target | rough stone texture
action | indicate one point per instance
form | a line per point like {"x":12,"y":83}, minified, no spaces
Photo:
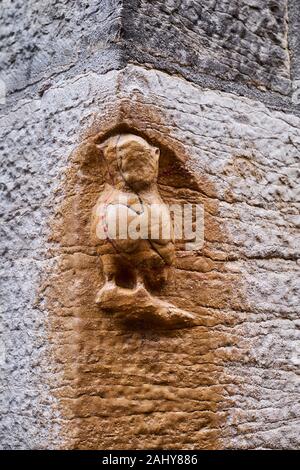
{"x":241,"y":46}
{"x":238,"y":40}
{"x":36,"y":138}
{"x":231,"y":382}
{"x":42,"y":40}
{"x":294,"y":38}
{"x":75,"y":378}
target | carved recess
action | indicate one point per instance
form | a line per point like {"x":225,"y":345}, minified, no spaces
{"x":129,"y":226}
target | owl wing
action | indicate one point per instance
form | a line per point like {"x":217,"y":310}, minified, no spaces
{"x":162,"y":234}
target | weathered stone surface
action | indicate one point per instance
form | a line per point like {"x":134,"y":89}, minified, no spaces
{"x":72,"y":376}
{"x":242,"y":45}
{"x":238,"y":40}
{"x":230,"y":382}
{"x":42,"y":40}
{"x":36,"y":138}
{"x":294,"y":38}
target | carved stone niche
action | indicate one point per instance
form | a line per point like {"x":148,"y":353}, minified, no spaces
{"x":133,"y":231}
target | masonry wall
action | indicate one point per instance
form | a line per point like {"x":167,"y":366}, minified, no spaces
{"x":215,"y":85}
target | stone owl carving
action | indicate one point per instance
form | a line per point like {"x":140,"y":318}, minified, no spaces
{"x":133,"y":230}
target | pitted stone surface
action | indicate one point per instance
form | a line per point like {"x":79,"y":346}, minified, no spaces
{"x":233,"y":40}
{"x":42,"y":40}
{"x":36,"y":138}
{"x":231,"y":382}
{"x":73,"y":378}
{"x":240,"y":45}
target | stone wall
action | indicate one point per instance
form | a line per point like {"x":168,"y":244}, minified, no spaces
{"x":214,"y":85}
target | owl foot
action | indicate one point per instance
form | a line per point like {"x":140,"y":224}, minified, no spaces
{"x":138,"y":304}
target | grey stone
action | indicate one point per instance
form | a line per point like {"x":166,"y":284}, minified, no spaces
{"x":70,"y":74}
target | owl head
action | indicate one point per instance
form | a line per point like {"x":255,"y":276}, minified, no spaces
{"x":131,"y":158}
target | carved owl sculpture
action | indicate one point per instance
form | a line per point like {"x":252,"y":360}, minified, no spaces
{"x":130,"y":223}
{"x":132,"y":229}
